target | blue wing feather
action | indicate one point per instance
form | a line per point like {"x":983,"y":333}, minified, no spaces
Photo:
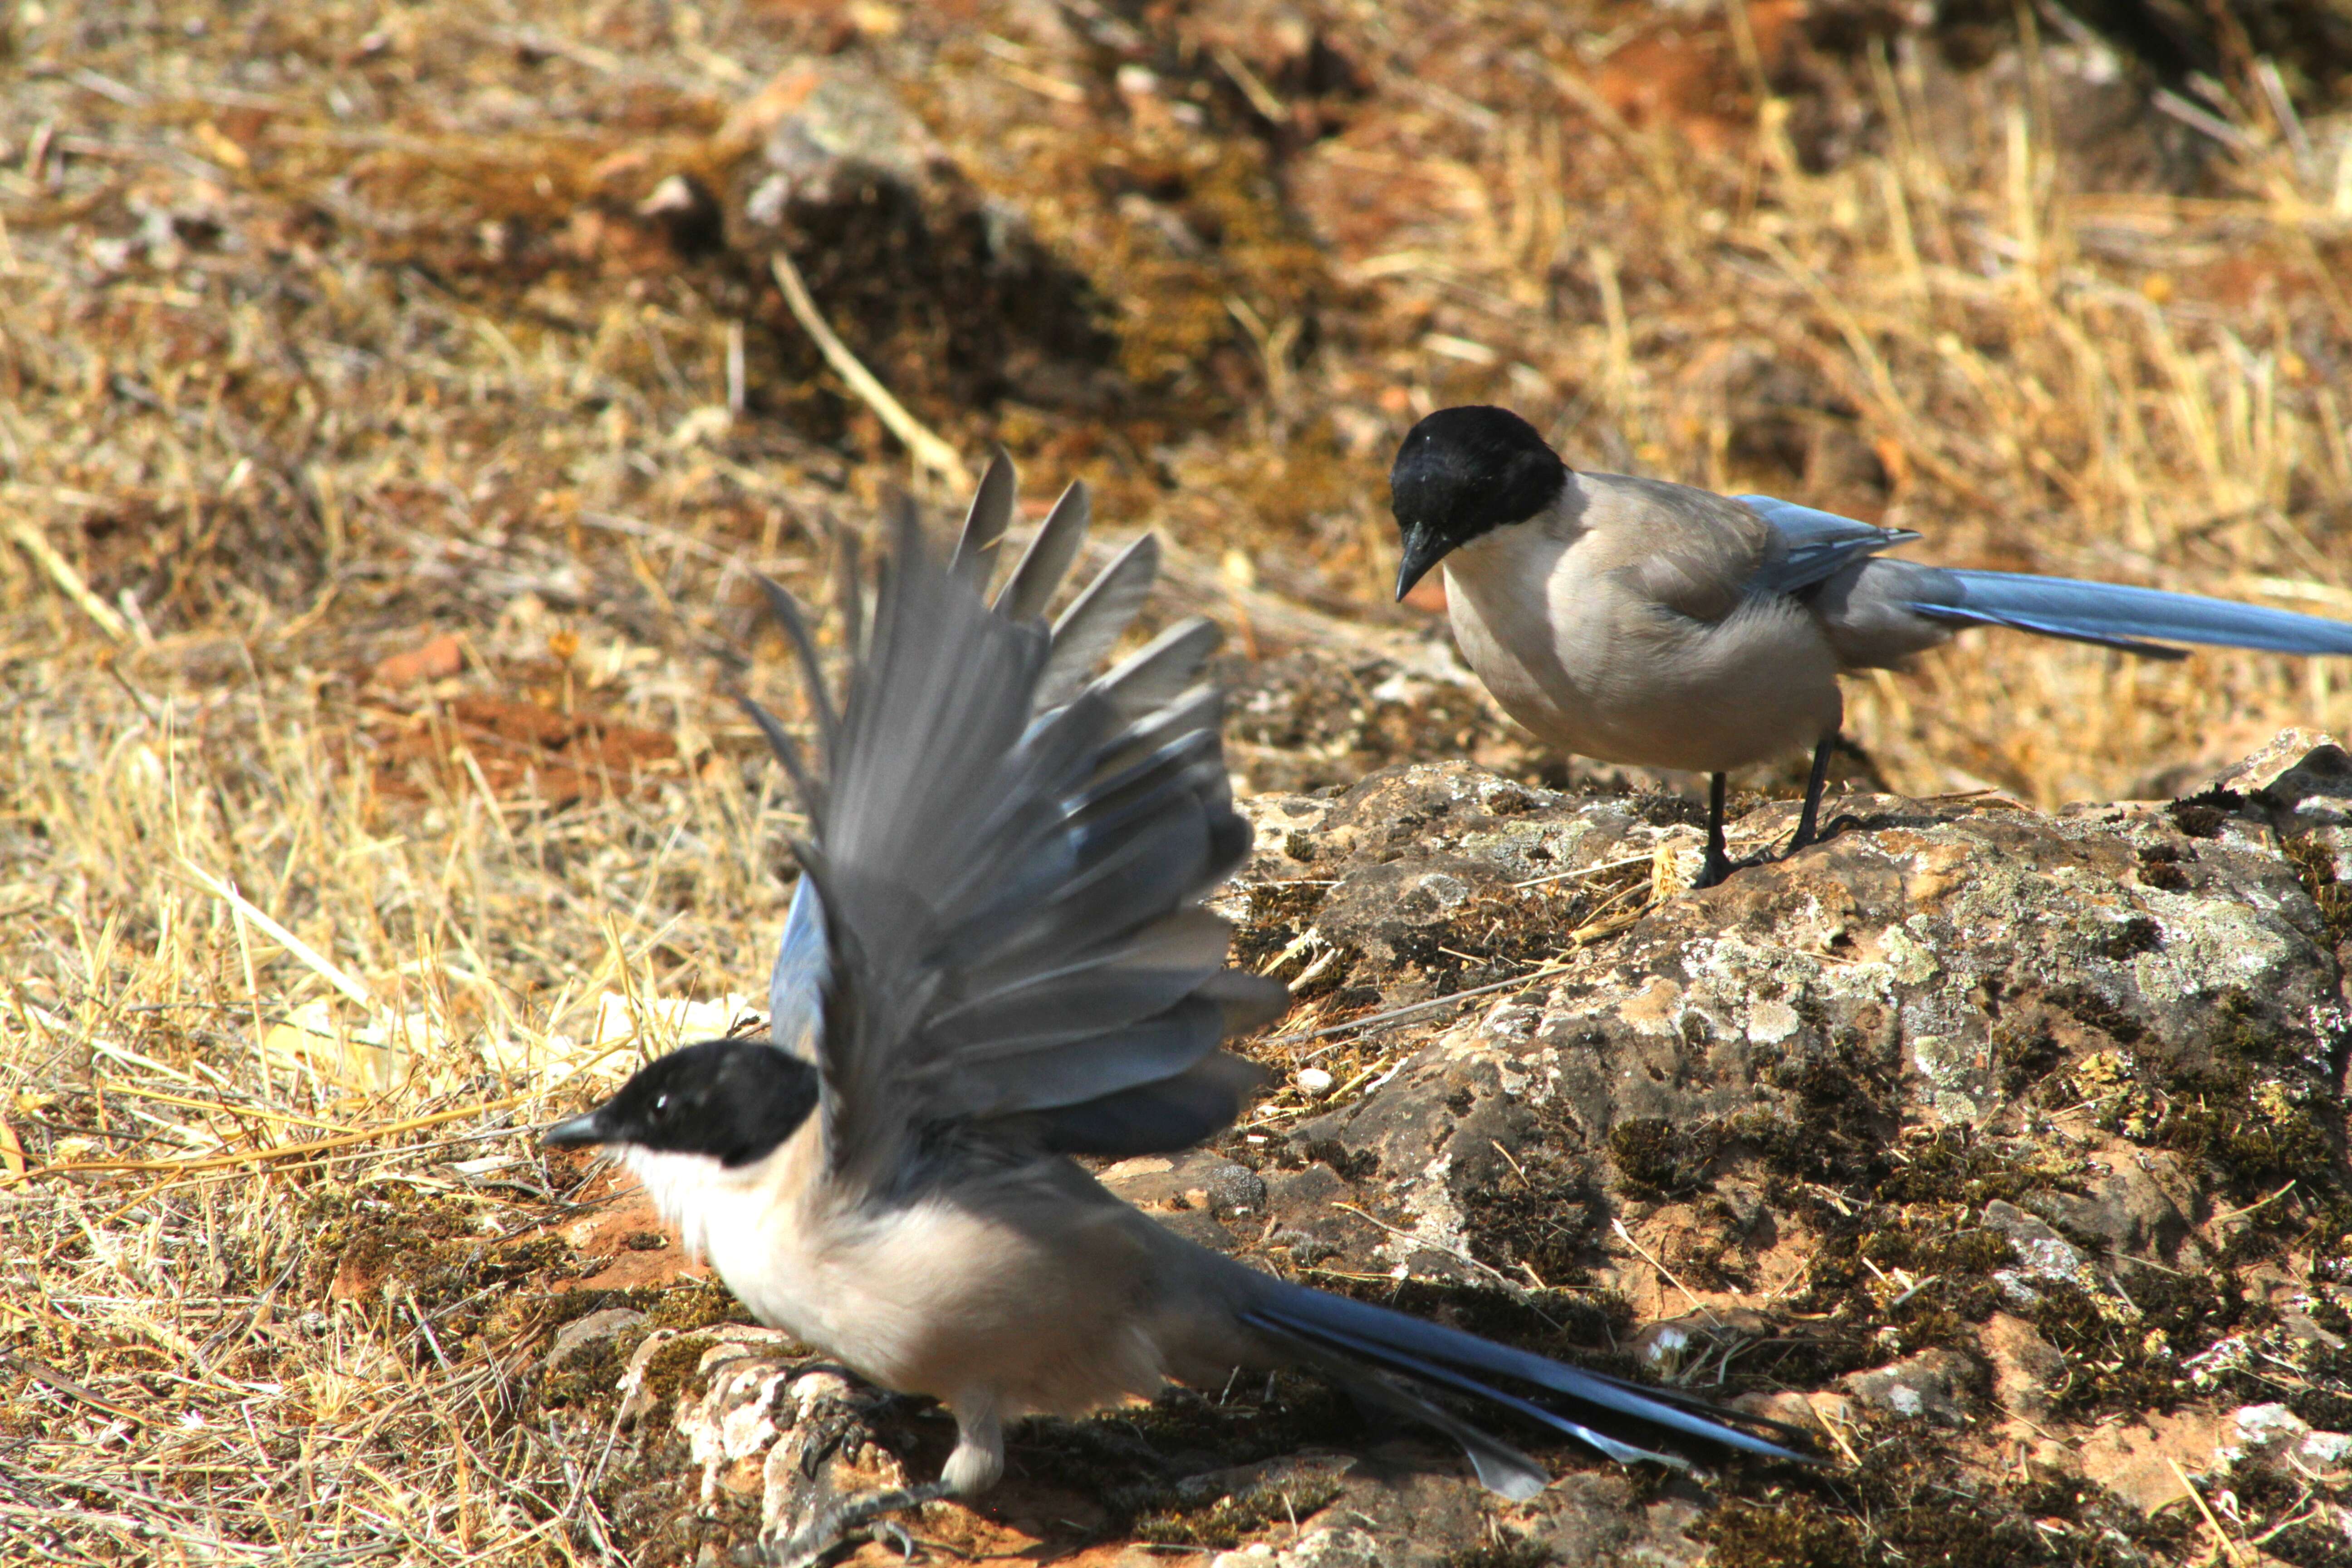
{"x":796,"y":983}
{"x":1821,"y":543}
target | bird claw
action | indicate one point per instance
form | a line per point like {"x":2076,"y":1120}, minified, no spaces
{"x":1805,"y":838}
{"x":834,"y":1525}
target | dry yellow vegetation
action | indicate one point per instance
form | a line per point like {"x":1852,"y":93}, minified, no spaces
{"x":378,"y":488}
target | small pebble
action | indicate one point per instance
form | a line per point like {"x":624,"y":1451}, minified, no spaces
{"x":1314,"y":1082}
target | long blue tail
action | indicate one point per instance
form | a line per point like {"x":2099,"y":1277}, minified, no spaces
{"x":2113,"y":616}
{"x":1613,"y":1417}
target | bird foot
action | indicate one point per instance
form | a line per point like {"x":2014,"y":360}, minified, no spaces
{"x":835,"y":1523}
{"x":1806,"y":837}
{"x":1714,"y":869}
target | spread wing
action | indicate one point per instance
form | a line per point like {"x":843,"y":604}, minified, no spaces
{"x":1009,"y":889}
{"x":1083,"y":637}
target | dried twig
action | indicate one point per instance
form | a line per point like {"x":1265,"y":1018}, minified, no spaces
{"x":283,"y":1151}
{"x":2229,"y":1548}
{"x":68,"y":581}
{"x":1664,"y":1272}
{"x":922,"y":444}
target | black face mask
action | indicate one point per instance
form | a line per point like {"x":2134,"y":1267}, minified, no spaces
{"x":1462,"y":472}
{"x":734,"y":1100}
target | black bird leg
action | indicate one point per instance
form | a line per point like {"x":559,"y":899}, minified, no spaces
{"x":836,"y":1522}
{"x":1717,"y":865}
{"x":1814,"y":783}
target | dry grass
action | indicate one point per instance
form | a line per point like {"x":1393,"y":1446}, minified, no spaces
{"x":2036,"y":372}
{"x":325,"y":333}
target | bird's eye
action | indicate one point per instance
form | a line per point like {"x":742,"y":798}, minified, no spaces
{"x":661,"y":1105}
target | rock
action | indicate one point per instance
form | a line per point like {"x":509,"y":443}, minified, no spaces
{"x":688,"y":214}
{"x":1920,"y":1127}
{"x":639,"y":1397}
{"x":2303,"y":774}
{"x":2299,"y":1326}
{"x":2302,"y":782}
{"x":2025,"y":1366}
{"x":1942,"y":998}
{"x":2299,"y":787}
{"x":2274,"y":1431}
{"x":1196,"y":1179}
{"x":1962,"y":968}
{"x":762,"y":1418}
{"x":1338,"y":1547}
{"x":824,"y":129}
{"x":1673,"y":1350}
{"x":2324,"y":1451}
{"x":436,"y":658}
{"x":828,"y":1454}
{"x":2263,"y":1427}
{"x":2043,"y":1258}
{"x":2132,"y":1205}
{"x":1931,"y":1385}
{"x":583,"y":1334}
{"x":2142,"y":1458}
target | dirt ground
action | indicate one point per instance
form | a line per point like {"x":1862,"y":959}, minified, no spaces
{"x":394,"y":400}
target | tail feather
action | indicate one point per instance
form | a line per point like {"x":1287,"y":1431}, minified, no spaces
{"x":2113,"y":615}
{"x":1448,"y":1358}
{"x":1447,"y":1377}
{"x":1500,"y":1468}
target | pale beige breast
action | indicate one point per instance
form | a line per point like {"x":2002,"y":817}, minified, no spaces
{"x":1561,"y":620}
{"x":1015,"y":1294}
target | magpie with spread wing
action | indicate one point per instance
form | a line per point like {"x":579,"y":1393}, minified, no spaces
{"x":998,"y":958}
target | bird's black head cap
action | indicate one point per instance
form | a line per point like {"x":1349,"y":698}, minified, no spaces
{"x":1462,"y":472}
{"x":734,"y":1100}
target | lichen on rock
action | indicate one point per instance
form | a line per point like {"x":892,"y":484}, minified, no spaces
{"x":2010,"y":1168}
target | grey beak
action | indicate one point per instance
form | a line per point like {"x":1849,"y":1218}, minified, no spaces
{"x":577,"y":1131}
{"x":1423,"y":548}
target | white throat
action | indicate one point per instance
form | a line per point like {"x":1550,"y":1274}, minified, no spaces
{"x":691,"y":1192}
